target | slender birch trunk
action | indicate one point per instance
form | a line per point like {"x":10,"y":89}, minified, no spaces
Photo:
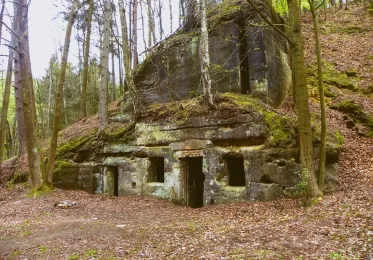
{"x":205,"y":57}
{"x":86,"y":61}
{"x":114,"y":90}
{"x":103,"y":107}
{"x":135,"y":57}
{"x":143,"y":28}
{"x":59,"y":96}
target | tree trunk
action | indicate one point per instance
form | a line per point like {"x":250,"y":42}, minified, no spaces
{"x":322,"y":157}
{"x":135,"y":57}
{"x":59,"y":96}
{"x":182,"y":12}
{"x":205,"y":57}
{"x":190,"y":21}
{"x":127,"y":61}
{"x":21,"y":135}
{"x":301,"y":100}
{"x":151,"y":25}
{"x":160,"y":19}
{"x":86,"y":61}
{"x":143,"y":28}
{"x":103,"y":108}
{"x":170,"y":6}
{"x":6,"y":97}
{"x":30,"y":120}
{"x":1,"y":20}
{"x":114,"y":90}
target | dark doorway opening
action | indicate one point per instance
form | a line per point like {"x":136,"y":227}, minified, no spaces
{"x":235,"y":171}
{"x":195,"y":180}
{"x":156,"y":169}
{"x":113,"y":180}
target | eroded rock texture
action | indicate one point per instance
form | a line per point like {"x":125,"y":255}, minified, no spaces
{"x":247,"y":57}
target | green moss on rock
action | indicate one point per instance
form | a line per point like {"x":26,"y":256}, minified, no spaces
{"x":355,"y":111}
{"x":60,"y":165}
{"x":74,"y":144}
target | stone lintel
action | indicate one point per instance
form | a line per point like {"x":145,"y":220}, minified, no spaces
{"x":192,"y":144}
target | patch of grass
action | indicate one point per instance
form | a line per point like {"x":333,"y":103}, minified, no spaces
{"x":26,"y":233}
{"x":43,"y":249}
{"x":90,"y":253}
{"x":335,"y":255}
{"x":15,"y":253}
{"x":73,"y":256}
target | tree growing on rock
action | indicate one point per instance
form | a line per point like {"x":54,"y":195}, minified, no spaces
{"x":103,"y":107}
{"x":299,"y":77}
{"x":59,"y":97}
{"x":205,"y":57}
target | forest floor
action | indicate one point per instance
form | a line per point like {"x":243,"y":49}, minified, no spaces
{"x":99,"y":227}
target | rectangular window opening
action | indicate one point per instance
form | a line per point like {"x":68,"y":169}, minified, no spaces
{"x":156,"y":169}
{"x":235,"y":171}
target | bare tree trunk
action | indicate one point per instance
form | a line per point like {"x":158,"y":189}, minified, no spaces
{"x":322,"y":157}
{"x":1,"y":20}
{"x":151,"y":25}
{"x":103,"y":108}
{"x":59,"y":97}
{"x":182,"y":12}
{"x":143,"y":28}
{"x":40,"y":110}
{"x":205,"y":57}
{"x":170,"y":6}
{"x":160,"y":19}
{"x":135,"y":57}
{"x":190,"y":21}
{"x":6,"y":97}
{"x":120,"y":70}
{"x":127,"y":61}
{"x":31,"y":126}
{"x":50,"y":97}
{"x":301,"y":100}
{"x":21,"y":135}
{"x":114,"y":90}
{"x":86,"y":61}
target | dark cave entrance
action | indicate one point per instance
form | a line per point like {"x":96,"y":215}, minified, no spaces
{"x":194,"y":182}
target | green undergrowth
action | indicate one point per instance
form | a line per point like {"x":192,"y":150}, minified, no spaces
{"x":74,"y":144}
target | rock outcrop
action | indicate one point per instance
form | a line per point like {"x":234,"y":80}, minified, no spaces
{"x":247,"y":57}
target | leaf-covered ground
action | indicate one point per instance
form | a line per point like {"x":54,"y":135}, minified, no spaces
{"x":98,"y":227}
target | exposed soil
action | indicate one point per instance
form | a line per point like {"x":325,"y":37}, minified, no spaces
{"x":99,"y":227}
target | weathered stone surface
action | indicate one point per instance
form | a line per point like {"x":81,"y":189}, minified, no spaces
{"x":264,"y":192}
{"x":191,"y":145}
{"x":245,"y":56}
